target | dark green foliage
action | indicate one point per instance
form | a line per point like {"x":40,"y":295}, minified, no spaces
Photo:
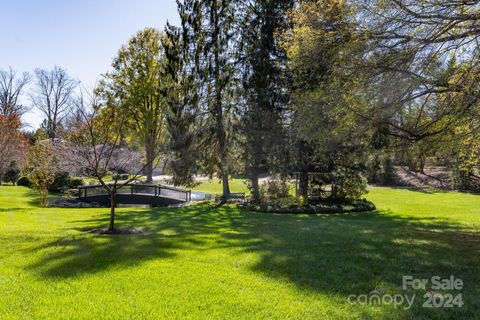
{"x":380,"y":168}
{"x":209,"y":32}
{"x":292,"y":206}
{"x":274,"y":189}
{"x":324,"y":134}
{"x":12,"y":174}
{"x":462,"y":177}
{"x":374,"y":168}
{"x":24,"y":182}
{"x":348,"y":185}
{"x":64,"y":181}
{"x":118,"y":170}
{"x":61,"y":182}
{"x":121,"y":176}
{"x":182,"y":101}
{"x":76,"y":182}
{"x":388,"y":172}
{"x":264,"y":87}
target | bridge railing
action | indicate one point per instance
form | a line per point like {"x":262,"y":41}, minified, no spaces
{"x":138,"y":189}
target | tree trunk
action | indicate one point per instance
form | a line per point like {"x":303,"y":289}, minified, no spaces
{"x":411,"y":165}
{"x":304,"y":165}
{"x":303,"y":185}
{"x":255,"y":187}
{"x":220,"y":128}
{"x":149,"y":150}
{"x":43,"y":198}
{"x":225,"y":185}
{"x":113,"y":204}
{"x":334,"y":192}
{"x":421,"y":164}
{"x":53,"y":130}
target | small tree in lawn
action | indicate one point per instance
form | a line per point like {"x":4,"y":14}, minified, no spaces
{"x":96,"y":146}
{"x":41,"y":167}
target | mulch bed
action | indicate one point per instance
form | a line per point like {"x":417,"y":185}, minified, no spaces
{"x":319,"y":208}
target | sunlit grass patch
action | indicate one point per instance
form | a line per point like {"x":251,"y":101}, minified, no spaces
{"x":220,"y":262}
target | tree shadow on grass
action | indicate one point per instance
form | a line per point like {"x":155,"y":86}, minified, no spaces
{"x":166,"y":230}
{"x":73,"y":256}
{"x":334,"y":254}
{"x":361,"y":253}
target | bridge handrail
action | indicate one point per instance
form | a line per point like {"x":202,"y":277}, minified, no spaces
{"x":187,"y":193}
{"x":136,"y":185}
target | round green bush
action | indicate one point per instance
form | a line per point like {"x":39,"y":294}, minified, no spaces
{"x":274,"y":189}
{"x":348,"y":185}
{"x":13,"y":173}
{"x":24,"y":182}
{"x":61,"y":182}
{"x":75,"y":183}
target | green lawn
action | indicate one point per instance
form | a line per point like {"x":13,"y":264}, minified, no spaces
{"x":206,"y":263}
{"x":215,"y":186}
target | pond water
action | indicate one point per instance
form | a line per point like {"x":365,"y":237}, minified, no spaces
{"x":196,"y":197}
{"x":201,"y":196}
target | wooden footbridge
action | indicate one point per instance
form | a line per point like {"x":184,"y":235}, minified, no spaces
{"x":137,"y":194}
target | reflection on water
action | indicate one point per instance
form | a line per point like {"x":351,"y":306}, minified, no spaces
{"x":200,"y":196}
{"x":196,"y":196}
{"x":144,"y":206}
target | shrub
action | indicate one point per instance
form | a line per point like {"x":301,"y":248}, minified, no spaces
{"x":75,"y":183}
{"x":12,"y":174}
{"x":61,"y":182}
{"x":374,"y":169}
{"x":302,"y":201}
{"x":118,"y":170}
{"x":121,"y":176}
{"x":41,"y":167}
{"x":348,"y":185}
{"x":24,"y":182}
{"x":64,"y":181}
{"x":388,"y":172}
{"x":461,"y":175}
{"x":289,"y":206}
{"x":274,"y":189}
{"x":380,"y":169}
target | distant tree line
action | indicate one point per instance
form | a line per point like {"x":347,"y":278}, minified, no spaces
{"x":332,"y":91}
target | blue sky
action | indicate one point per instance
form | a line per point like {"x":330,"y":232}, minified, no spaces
{"x":81,"y":36}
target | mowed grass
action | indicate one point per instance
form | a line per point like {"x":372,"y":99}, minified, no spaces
{"x":207,"y":262}
{"x":215,"y":186}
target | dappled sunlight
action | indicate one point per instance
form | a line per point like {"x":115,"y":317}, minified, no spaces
{"x":323,"y":258}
